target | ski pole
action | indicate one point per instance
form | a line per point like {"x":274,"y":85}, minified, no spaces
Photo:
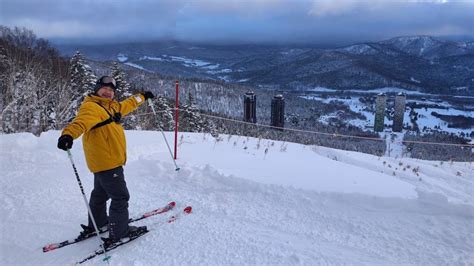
{"x":150,"y":103}
{"x":106,"y":258}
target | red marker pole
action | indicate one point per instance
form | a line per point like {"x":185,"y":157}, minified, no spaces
{"x":176,"y":115}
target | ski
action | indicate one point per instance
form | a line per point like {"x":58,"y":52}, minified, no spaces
{"x":186,"y":210}
{"x":115,"y":245}
{"x":55,"y":246}
{"x":167,"y":208}
{"x":126,"y":240}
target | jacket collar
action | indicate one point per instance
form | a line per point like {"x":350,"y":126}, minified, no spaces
{"x":98,"y":99}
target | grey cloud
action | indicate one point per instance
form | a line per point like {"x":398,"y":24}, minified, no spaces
{"x":92,"y":19}
{"x":238,"y":20}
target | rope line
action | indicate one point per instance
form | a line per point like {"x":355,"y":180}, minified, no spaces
{"x":338,"y":135}
{"x":335,"y":135}
{"x":294,"y":129}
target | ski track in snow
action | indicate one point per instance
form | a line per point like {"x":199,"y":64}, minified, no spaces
{"x":239,"y":218}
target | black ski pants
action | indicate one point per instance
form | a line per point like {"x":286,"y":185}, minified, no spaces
{"x":110,"y":184}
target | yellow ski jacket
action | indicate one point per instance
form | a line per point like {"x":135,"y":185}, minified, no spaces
{"x":105,"y":146}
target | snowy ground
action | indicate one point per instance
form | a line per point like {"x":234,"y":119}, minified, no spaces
{"x":291,"y":205}
{"x":187,"y":62}
{"x":425,"y":118}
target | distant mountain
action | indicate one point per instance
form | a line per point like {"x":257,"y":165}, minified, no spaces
{"x":430,"y":47}
{"x":420,"y":63}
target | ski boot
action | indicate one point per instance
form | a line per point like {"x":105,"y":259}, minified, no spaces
{"x":88,"y":231}
{"x":133,"y":232}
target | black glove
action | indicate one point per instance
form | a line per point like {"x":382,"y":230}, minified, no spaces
{"x":148,"y":95}
{"x":65,"y":142}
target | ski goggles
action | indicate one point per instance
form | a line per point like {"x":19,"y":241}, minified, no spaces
{"x":106,"y":80}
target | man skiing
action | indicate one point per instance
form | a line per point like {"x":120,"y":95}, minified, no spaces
{"x":105,"y":151}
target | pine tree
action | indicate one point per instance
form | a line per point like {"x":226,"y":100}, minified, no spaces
{"x":122,"y":92}
{"x":192,"y":120}
{"x":123,"y":87}
{"x":82,"y":82}
{"x":164,"y":114}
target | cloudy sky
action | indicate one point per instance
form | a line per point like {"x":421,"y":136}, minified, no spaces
{"x":239,"y":21}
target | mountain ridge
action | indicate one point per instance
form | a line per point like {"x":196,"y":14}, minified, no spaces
{"x":424,"y":63}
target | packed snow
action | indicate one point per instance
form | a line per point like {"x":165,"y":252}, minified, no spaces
{"x":254,"y":202}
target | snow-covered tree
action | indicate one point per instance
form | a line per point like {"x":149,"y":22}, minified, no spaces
{"x":82,"y":81}
{"x":192,"y":120}
{"x":29,"y":69}
{"x":165,"y":118}
{"x":82,"y":78}
{"x":124,"y":89}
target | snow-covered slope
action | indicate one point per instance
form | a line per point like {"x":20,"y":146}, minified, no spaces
{"x":254,"y":202}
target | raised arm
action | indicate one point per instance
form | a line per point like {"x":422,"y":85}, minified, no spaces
{"x":86,"y":118}
{"x":130,"y":104}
